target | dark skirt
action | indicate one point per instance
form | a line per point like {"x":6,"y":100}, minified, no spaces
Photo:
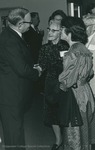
{"x":65,"y":110}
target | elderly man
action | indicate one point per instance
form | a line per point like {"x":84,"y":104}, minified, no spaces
{"x":17,"y":72}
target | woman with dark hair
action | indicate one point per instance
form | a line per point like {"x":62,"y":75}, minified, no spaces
{"x":74,"y":80}
{"x":57,"y":16}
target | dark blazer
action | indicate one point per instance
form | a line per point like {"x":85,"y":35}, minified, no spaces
{"x":34,"y":40}
{"x":16,"y":69}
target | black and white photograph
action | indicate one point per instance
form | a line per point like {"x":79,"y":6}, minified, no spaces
{"x":47,"y":74}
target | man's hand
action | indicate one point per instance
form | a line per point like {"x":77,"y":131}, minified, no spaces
{"x":36,"y":66}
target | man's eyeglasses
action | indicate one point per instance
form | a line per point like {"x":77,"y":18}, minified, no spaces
{"x":52,"y":30}
{"x":27,"y":22}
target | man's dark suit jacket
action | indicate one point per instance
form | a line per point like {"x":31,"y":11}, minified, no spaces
{"x":16,"y":69}
{"x":34,"y":40}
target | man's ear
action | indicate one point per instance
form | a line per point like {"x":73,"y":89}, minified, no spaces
{"x":19,"y":25}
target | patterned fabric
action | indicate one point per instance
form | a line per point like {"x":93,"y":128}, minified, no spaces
{"x":72,"y":138}
{"x":77,"y":64}
{"x":51,"y":62}
{"x":77,"y":138}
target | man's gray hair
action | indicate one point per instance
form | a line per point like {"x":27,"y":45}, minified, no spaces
{"x":17,"y":14}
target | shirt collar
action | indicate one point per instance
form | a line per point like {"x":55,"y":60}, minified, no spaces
{"x":32,"y":26}
{"x":17,"y":32}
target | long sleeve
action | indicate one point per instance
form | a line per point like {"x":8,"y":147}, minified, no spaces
{"x":76,"y":69}
{"x":14,"y":56}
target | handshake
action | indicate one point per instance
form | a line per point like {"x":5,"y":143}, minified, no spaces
{"x":36,"y":66}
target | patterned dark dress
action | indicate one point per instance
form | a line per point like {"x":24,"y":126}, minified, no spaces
{"x":51,"y":62}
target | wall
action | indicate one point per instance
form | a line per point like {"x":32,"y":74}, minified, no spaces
{"x":86,"y":3}
{"x":44,"y":7}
